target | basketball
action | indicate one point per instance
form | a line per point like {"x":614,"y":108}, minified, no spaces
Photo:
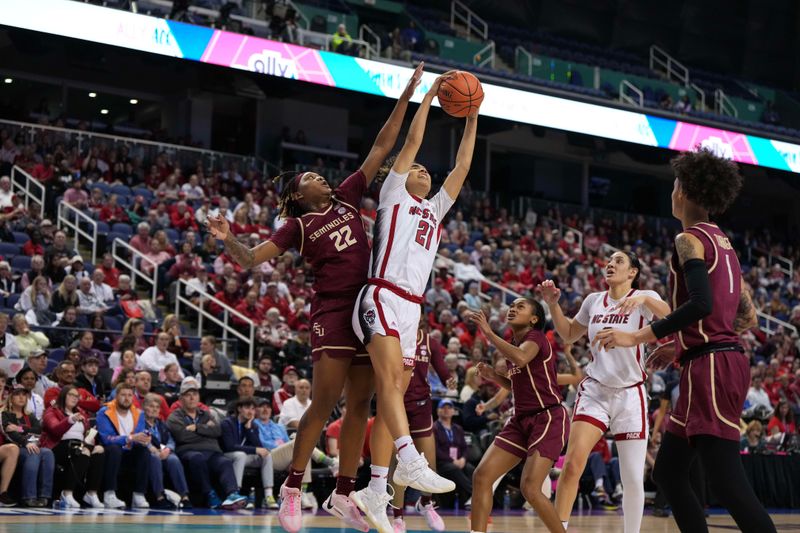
{"x":460,"y":95}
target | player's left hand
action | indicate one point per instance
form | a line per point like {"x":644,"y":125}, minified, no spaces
{"x":661,"y":357}
{"x":479,"y":319}
{"x":413,"y":83}
{"x":438,"y":81}
{"x":613,"y":338}
{"x":627,"y":305}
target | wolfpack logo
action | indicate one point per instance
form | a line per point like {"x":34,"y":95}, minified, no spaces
{"x":719,"y":147}
{"x":272,"y":63}
{"x":369,"y":317}
{"x":633,"y":436}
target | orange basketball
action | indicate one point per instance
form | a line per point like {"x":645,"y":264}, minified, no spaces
{"x":461,"y":95}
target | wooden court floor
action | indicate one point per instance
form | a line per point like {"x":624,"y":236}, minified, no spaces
{"x":51,"y":521}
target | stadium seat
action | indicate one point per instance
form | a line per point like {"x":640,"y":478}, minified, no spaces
{"x":20,"y":237}
{"x":121,"y":227}
{"x":143,"y":191}
{"x":57,"y":354}
{"x":11,"y":300}
{"x":121,"y":190}
{"x":113,"y":323}
{"x":105,"y":187}
{"x":103,"y":228}
{"x":173,"y":234}
{"x":8,"y":249}
{"x":21,"y":263}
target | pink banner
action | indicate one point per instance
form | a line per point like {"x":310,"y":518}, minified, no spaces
{"x":728,"y":144}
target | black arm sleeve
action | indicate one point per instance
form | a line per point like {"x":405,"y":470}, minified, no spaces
{"x":695,"y":308}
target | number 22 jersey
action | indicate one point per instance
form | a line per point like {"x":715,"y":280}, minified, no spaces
{"x":407,"y":233}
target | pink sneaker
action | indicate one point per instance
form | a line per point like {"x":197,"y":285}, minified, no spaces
{"x":399,"y":525}
{"x":433,"y":519}
{"x":290,"y":515}
{"x":343,"y":508}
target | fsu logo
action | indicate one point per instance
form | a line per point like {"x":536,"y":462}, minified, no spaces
{"x":369,"y":317}
{"x":341,"y":210}
{"x":319,"y":331}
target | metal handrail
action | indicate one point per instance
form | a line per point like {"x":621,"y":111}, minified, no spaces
{"x":474,"y":23}
{"x":770,"y":320}
{"x":25,"y":191}
{"x":563,"y":228}
{"x":300,"y":15}
{"x":786,"y":264}
{"x":227,"y":311}
{"x":372,"y":52}
{"x":133,"y":266}
{"x":323,"y":40}
{"x":527,"y":55}
{"x":723,"y":105}
{"x":701,"y":93}
{"x":64,"y":220}
{"x":673,"y":68}
{"x":625,"y":98}
{"x":480,"y":61}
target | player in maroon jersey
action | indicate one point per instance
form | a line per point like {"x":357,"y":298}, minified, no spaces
{"x":711,"y":308}
{"x":324,"y":225}
{"x":539,"y":428}
{"x":420,"y":421}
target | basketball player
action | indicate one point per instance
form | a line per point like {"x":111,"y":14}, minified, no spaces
{"x":711,"y":308}
{"x":324,"y":225}
{"x":420,"y":421}
{"x":613,"y":395}
{"x":537,"y":432}
{"x":386,"y":315}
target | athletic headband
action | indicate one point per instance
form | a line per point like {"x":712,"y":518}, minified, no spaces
{"x":298,"y":178}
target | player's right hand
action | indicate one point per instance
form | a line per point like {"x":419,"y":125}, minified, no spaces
{"x":486,"y":372}
{"x":218,"y":226}
{"x":438,"y":81}
{"x":413,"y":83}
{"x":550,"y":292}
{"x":661,"y":357}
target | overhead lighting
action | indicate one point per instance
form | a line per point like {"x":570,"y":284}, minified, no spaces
{"x":104,"y":111}
{"x":134,"y":101}
{"x":8,"y":80}
{"x":92,"y":95}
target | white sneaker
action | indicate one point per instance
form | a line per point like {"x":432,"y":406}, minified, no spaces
{"x":399,"y":525}
{"x":139,"y":501}
{"x":435,"y":522}
{"x":373,"y":505}
{"x":92,"y":500}
{"x":111,"y":501}
{"x":308,"y":501}
{"x":172,"y":497}
{"x":71,"y":503}
{"x":418,"y":475}
{"x":343,"y":508}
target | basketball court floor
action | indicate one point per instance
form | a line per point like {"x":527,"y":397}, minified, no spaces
{"x":57,"y":521}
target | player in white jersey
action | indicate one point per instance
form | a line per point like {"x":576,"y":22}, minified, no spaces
{"x":386,"y":315}
{"x":612,"y":396}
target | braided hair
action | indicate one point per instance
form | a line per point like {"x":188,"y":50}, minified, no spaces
{"x":288,"y":183}
{"x":386,"y":167}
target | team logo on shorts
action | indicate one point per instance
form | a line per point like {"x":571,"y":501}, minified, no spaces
{"x":341,"y":210}
{"x":369,"y":317}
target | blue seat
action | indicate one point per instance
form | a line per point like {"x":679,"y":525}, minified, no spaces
{"x":57,"y":354}
{"x":21,"y":263}
{"x":143,"y":191}
{"x":20,"y":237}
{"x":11,"y":300}
{"x":105,"y":187}
{"x":121,"y":190}
{"x":121,"y":227}
{"x":103,"y":228}
{"x":88,"y":267}
{"x":8,"y":249}
{"x":113,"y":323}
{"x":116,"y":235}
{"x":173,"y":234}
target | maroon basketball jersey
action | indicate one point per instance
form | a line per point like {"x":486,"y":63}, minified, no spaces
{"x":429,"y":351}
{"x":534,"y":385}
{"x":333,"y":241}
{"x":725,"y":277}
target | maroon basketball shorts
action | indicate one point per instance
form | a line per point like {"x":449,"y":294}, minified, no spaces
{"x":545,"y":432}
{"x":712,"y":392}
{"x":332,"y":330}
{"x":420,"y":418}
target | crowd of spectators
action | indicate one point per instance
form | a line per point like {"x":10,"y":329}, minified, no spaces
{"x":114,"y":388}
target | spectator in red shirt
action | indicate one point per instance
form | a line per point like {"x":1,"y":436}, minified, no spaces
{"x":272,"y":299}
{"x":229,"y":296}
{"x":782,"y":420}
{"x":112,"y":212}
{"x":111,"y":272}
{"x":34,"y":246}
{"x":241,"y":222}
{"x":45,"y":170}
{"x":141,"y":241}
{"x":66,"y":374}
{"x":286,"y":391}
{"x":250,"y":308}
{"x":182,"y":217}
{"x":333,"y":431}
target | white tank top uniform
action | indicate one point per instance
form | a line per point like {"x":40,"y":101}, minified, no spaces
{"x":612,"y":396}
{"x":405,"y":242}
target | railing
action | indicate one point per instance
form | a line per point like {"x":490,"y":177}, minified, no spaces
{"x":723,"y":105}
{"x":624,"y":87}
{"x":70,"y":217}
{"x":771,"y":325}
{"x":701,"y":96}
{"x":459,"y":12}
{"x":227,"y":311}
{"x":133,"y":261}
{"x":786,"y":264}
{"x":365,"y":33}
{"x":206,"y":12}
{"x":668,"y":65}
{"x":527,"y":56}
{"x":28,"y":188}
{"x":322,"y":41}
{"x":139,"y":148}
{"x":488,"y":51}
{"x":302,"y":19}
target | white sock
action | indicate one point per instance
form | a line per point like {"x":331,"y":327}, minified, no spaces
{"x":618,"y":488}
{"x":66,"y":494}
{"x":632,"y":454}
{"x":378,"y":478}
{"x":109,"y":494}
{"x":598,"y":484}
{"x":267,"y":492}
{"x":565,"y":524}
{"x":406,"y":449}
{"x":89,"y":493}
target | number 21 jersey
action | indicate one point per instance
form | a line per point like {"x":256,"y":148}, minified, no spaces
{"x":407,"y":233}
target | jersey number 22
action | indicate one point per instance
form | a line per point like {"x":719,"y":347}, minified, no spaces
{"x":342,"y":238}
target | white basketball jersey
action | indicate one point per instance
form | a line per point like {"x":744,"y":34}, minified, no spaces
{"x":618,"y":367}
{"x":407,"y":233}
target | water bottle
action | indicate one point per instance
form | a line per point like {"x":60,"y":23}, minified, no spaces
{"x":507,"y":500}
{"x":59,"y":504}
{"x":455,"y":504}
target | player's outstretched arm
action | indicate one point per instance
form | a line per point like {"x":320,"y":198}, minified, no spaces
{"x":455,"y":180}
{"x":387,"y":137}
{"x":568,"y":328}
{"x":519,"y":355}
{"x":416,"y":132}
{"x":246,"y":257}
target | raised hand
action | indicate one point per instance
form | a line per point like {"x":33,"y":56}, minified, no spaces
{"x":486,"y":372}
{"x":479,"y":319}
{"x":218,"y":226}
{"x":438,"y":81}
{"x":413,"y":83}
{"x":550,"y":292}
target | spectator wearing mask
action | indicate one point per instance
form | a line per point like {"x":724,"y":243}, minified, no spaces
{"x":242,"y":444}
{"x":163,"y":459}
{"x":38,"y":464}
{"x":8,"y":343}
{"x":294,"y":408}
{"x":64,"y":430}
{"x":27,"y":341}
{"x":451,"y":450}
{"x":208,"y":345}
{"x":196,"y":438}
{"x":120,"y":425}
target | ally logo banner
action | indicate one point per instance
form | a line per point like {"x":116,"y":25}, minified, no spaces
{"x":175,"y":39}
